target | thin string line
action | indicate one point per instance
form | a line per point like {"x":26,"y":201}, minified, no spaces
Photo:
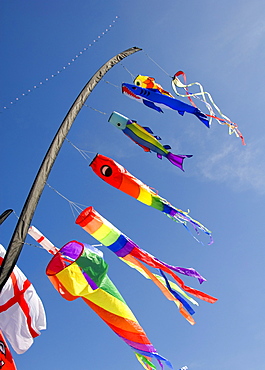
{"x":40,"y":247}
{"x":96,"y":110}
{"x":110,"y":83}
{"x":15,"y":214}
{"x":127,"y":70}
{"x":158,"y":65}
{"x":34,"y":245}
{"x":73,"y":206}
{"x":81,"y":151}
{"x":39,"y":84}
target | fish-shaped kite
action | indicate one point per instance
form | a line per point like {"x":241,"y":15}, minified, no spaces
{"x":107,"y":234}
{"x":149,"y":83}
{"x":143,"y":136}
{"x":85,"y":275}
{"x":117,"y":176}
{"x":154,"y":99}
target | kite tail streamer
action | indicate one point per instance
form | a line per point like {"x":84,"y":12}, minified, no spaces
{"x":168,"y":293}
{"x":86,"y":277}
{"x":107,"y":234}
{"x":233,"y":128}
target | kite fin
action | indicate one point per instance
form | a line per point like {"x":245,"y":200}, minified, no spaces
{"x":158,"y":137}
{"x":150,"y":104}
{"x":159,"y":156}
{"x":181,"y":112}
{"x":177,"y":160}
{"x":148,"y":130}
{"x":167,"y":147}
{"x":202,"y":117}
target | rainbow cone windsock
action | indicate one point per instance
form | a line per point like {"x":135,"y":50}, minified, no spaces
{"x":86,"y":276}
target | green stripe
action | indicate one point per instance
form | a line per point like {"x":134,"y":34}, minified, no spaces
{"x":93,"y":265}
{"x":108,"y":286}
{"x":157,"y":203}
{"x":97,"y":268}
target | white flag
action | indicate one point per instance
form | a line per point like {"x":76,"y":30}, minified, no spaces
{"x":22,"y":314}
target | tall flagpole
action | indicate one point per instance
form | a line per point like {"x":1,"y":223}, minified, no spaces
{"x":24,"y":221}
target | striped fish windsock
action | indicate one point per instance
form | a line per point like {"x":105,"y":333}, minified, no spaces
{"x":118,"y":177}
{"x":107,"y":234}
{"x":143,"y":136}
{"x":86,"y":276}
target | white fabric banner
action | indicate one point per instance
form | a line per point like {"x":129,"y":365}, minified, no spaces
{"x":22,"y":314}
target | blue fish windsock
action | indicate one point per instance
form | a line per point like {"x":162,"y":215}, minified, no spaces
{"x":154,"y":99}
{"x":143,"y":136}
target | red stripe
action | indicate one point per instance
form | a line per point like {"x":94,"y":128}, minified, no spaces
{"x":14,"y":299}
{"x":20,"y":299}
{"x":40,"y":239}
{"x":23,"y":304}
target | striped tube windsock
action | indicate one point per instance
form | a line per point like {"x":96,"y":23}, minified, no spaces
{"x":107,"y":234}
{"x":42,"y":240}
{"x":86,"y":276}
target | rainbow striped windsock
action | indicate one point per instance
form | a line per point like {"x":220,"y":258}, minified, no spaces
{"x":85,"y":276}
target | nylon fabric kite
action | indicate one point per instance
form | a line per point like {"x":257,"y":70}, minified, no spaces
{"x":85,"y":276}
{"x":117,"y":176}
{"x":156,"y":100}
{"x":149,"y":83}
{"x":143,"y":136}
{"x":158,"y":280}
{"x":107,"y":234}
{"x":223,"y":120}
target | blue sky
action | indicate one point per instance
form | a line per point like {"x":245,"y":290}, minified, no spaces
{"x":221,"y":45}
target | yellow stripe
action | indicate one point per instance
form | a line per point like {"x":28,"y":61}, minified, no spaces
{"x":110,"y":303}
{"x":111,"y":238}
{"x":145,"y":196}
{"x":74,"y":281}
{"x":102,"y":231}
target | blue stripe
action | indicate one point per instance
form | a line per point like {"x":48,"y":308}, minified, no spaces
{"x":119,"y":244}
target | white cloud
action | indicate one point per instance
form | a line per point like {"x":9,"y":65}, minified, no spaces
{"x":240,"y":167}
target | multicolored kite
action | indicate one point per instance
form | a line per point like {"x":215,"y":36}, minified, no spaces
{"x":78,"y":270}
{"x":154,"y":99}
{"x":149,"y":83}
{"x":117,"y":176}
{"x":107,"y":234}
{"x":143,"y":136}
